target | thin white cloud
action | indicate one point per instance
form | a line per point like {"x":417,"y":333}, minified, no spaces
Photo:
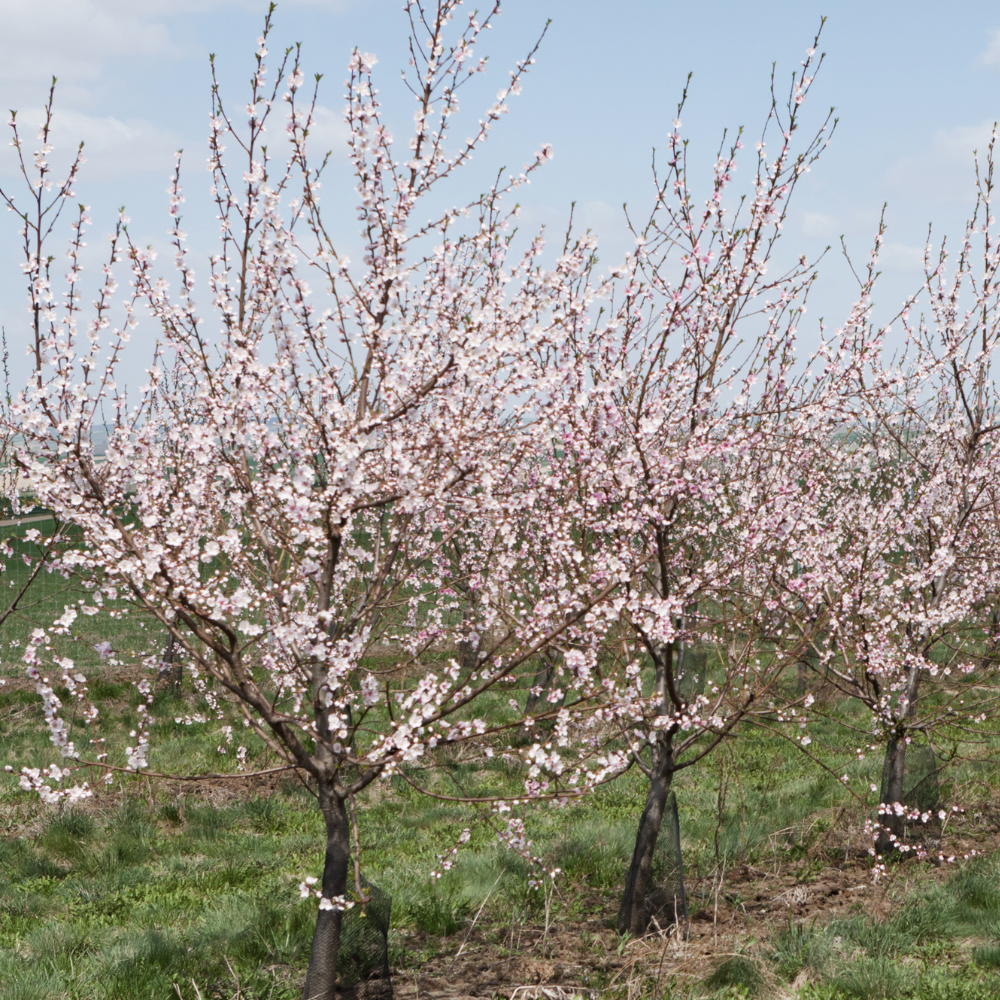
{"x":328,"y":131}
{"x":991,"y":56}
{"x":845,"y":217}
{"x":900,"y":258}
{"x":118,"y":148}
{"x":79,"y":41}
{"x":817,"y":225}
{"x":604,"y":219}
{"x":75,"y":40}
{"x":113,"y":148}
{"x":943,"y":172}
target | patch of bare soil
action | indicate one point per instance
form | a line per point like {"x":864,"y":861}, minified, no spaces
{"x":530,"y":963}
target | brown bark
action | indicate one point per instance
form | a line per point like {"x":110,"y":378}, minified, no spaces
{"x":468,"y":655}
{"x":540,"y":684}
{"x":632,"y":915}
{"x":895,"y":760}
{"x":891,"y":825}
{"x":321,"y":977}
{"x":171,"y":669}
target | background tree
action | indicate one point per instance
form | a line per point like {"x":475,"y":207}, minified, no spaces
{"x":902,"y":489}
{"x":672,"y":418}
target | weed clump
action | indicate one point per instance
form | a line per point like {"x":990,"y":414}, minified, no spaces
{"x":799,"y":947}
{"x":987,"y":955}
{"x":739,"y":973}
{"x":879,"y":978}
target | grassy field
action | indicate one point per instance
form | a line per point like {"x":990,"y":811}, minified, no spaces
{"x":170,"y":889}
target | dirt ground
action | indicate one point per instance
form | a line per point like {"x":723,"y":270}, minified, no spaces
{"x":530,"y":963}
{"x":744,"y":910}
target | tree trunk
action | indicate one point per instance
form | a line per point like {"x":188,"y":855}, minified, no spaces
{"x":632,"y":916}
{"x":321,"y":976}
{"x":468,"y":654}
{"x":891,"y":825}
{"x":543,"y":678}
{"x":806,"y":673}
{"x":171,"y":669}
{"x":894,"y":769}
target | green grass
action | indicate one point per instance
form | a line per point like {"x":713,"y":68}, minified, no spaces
{"x":922,"y":950}
{"x":738,"y":975}
{"x":127,"y":900}
{"x":800,"y":947}
{"x":124,"y":904}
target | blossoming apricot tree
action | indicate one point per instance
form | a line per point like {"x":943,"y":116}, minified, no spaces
{"x":301,"y":486}
{"x":903,"y":506}
{"x":674,"y":417}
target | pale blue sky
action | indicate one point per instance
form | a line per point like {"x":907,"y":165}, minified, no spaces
{"x":916,"y":87}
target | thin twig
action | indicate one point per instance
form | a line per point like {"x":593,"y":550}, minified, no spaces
{"x":362,"y":896}
{"x":473,"y":924}
{"x":183,"y":777}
